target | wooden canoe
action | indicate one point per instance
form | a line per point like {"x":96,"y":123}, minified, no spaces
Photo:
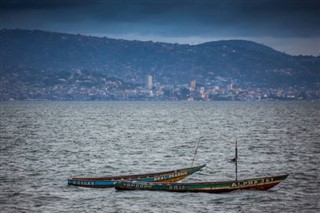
{"x":109,"y":181}
{"x":264,"y":183}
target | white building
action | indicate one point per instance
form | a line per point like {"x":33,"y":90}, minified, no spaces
{"x":148,"y":82}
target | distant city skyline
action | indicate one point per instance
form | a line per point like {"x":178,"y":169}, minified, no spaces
{"x":290,"y":26}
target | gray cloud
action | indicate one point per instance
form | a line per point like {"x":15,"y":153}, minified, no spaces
{"x":177,"y":18}
{"x":244,"y":17}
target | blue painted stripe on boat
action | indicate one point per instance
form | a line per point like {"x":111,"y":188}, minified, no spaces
{"x":105,"y":183}
{"x":145,"y":180}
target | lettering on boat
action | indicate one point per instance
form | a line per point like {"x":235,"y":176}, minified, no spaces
{"x":170,"y":176}
{"x":176,"y":187}
{"x":252,"y":182}
{"x":81,"y":183}
{"x":137,"y":185}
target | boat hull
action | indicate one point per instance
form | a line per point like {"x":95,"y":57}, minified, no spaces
{"x":264,"y":183}
{"x":110,"y":181}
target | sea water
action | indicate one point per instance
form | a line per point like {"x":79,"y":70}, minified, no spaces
{"x":43,"y":143}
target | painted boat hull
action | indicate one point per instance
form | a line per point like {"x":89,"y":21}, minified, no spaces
{"x":264,"y":183}
{"x":110,"y":181}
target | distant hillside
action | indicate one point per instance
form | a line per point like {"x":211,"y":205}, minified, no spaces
{"x":130,"y":61}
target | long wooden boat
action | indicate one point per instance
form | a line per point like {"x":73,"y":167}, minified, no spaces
{"x":263,"y":183}
{"x":109,"y":181}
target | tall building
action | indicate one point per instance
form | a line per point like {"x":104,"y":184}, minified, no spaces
{"x":148,"y":82}
{"x":193,"y":84}
{"x":230,"y":86}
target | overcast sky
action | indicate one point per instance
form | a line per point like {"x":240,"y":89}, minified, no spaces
{"x":291,"y":26}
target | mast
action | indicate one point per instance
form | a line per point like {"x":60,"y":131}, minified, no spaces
{"x":195,"y":152}
{"x":236,"y":159}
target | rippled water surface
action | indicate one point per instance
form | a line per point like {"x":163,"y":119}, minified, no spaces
{"x":43,"y":143}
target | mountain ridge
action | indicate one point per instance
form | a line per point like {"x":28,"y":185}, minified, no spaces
{"x":236,"y":60}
